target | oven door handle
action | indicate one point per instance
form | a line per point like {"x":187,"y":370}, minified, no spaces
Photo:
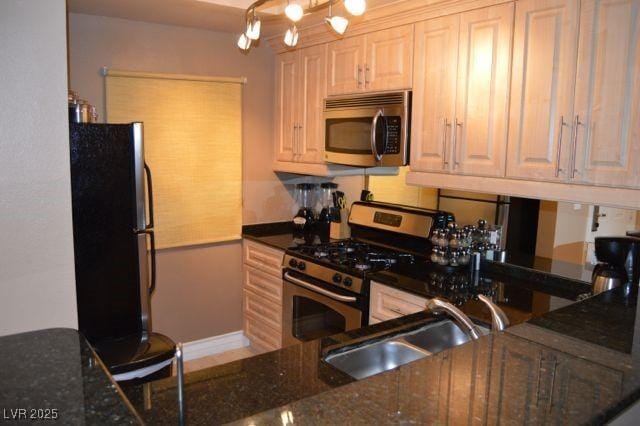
{"x":317,"y":289}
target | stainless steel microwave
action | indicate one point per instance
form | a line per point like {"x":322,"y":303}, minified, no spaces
{"x":368,"y":130}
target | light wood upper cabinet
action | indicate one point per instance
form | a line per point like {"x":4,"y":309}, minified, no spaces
{"x":300,"y":91}
{"x":377,"y":61}
{"x":607,"y":99}
{"x":286,"y":75}
{"x":389,"y":56}
{"x":434,"y":92}
{"x":543,"y":77}
{"x":480,"y":126}
{"x":346,"y":62}
{"x":312,"y":89}
{"x":461,"y":92}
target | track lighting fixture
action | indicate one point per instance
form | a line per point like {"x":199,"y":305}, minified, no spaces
{"x":337,"y":23}
{"x":355,"y":7}
{"x":294,"y":11}
{"x":291,"y":36}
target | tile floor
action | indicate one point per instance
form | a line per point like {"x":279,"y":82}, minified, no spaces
{"x":221,"y":358}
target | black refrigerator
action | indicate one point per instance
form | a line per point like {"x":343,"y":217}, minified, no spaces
{"x":114,"y":247}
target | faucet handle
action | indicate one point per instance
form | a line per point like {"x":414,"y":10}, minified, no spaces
{"x":499,"y":319}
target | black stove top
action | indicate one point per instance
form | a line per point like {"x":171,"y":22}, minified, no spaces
{"x":355,"y":256}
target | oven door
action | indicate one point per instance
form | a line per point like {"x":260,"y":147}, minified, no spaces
{"x":366,"y":137}
{"x":311,"y":312}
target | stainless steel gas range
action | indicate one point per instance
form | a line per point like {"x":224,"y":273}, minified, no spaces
{"x":326,"y":285}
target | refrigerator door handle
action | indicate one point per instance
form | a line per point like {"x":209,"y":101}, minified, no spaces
{"x":152,"y":238}
{"x":152,"y":251}
{"x":147,"y":171}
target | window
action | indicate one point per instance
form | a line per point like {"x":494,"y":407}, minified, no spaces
{"x":193,"y":145}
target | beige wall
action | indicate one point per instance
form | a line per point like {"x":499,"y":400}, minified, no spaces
{"x":37,"y":286}
{"x":199,"y":288}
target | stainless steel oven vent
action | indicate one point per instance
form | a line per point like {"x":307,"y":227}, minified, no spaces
{"x":359,"y":101}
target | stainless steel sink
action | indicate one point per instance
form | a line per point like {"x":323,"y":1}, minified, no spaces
{"x":375,"y":358}
{"x":365,"y":361}
{"x":438,"y":337}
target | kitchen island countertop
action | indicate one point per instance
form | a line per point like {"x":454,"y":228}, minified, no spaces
{"x":53,"y":375}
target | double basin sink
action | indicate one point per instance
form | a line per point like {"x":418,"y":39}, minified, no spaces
{"x":400,"y":349}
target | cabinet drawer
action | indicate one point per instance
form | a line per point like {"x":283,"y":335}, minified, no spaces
{"x":387,"y":303}
{"x":261,"y":335}
{"x":264,"y":309}
{"x":263,"y":284}
{"x":263,"y":257}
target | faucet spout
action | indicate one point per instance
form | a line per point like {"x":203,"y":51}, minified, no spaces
{"x":439,"y":305}
{"x":499,"y":319}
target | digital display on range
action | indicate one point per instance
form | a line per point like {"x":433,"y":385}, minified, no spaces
{"x":387,"y":219}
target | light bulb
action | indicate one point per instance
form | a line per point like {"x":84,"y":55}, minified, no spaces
{"x":291,"y":36}
{"x":294,"y":11}
{"x":244,"y":42}
{"x":253,"y":29}
{"x":355,"y":7}
{"x":338,"y":23}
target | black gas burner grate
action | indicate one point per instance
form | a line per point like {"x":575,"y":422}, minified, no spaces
{"x":355,"y":255}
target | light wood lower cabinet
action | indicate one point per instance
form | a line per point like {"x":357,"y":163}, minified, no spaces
{"x":386,"y":303}
{"x":262,"y":295}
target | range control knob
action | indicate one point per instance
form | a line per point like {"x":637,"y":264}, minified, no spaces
{"x":337,"y":278}
{"x":302,"y":266}
{"x":347,"y":282}
{"x":293,"y":263}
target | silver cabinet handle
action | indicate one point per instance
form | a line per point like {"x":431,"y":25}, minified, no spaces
{"x":366,"y":75}
{"x":458,"y":124}
{"x":358,"y":77}
{"x":559,"y":150}
{"x":317,"y":289}
{"x":300,"y":141}
{"x":576,"y":123}
{"x":374,"y":124}
{"x":293,"y":140}
{"x":444,"y":143}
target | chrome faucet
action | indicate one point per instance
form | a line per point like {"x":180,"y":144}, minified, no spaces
{"x":499,"y":319}
{"x":438,"y":305}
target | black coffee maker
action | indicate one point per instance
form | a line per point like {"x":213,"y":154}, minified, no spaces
{"x":619,"y":263}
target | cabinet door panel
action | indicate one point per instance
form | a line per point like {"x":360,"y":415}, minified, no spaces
{"x":434,"y":92}
{"x":312,"y":89}
{"x":543,"y":78}
{"x":286,"y":74}
{"x":482,"y":95}
{"x":389,"y":59}
{"x":346,"y":66}
{"x":608,"y":93}
{"x":578,"y":384}
{"x":519,"y":381}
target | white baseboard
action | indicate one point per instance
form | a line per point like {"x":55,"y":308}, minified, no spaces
{"x":214,"y":345}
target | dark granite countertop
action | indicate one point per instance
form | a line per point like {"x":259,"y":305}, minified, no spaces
{"x":56,"y":376}
{"x":576,"y":364}
{"x":277,"y":235}
{"x":546,"y":371}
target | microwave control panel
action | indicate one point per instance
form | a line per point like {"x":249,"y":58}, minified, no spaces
{"x":392,"y":145}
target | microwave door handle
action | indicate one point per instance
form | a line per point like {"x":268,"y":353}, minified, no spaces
{"x":374,"y":125}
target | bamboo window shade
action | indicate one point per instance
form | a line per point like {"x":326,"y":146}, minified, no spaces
{"x":193,"y":145}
